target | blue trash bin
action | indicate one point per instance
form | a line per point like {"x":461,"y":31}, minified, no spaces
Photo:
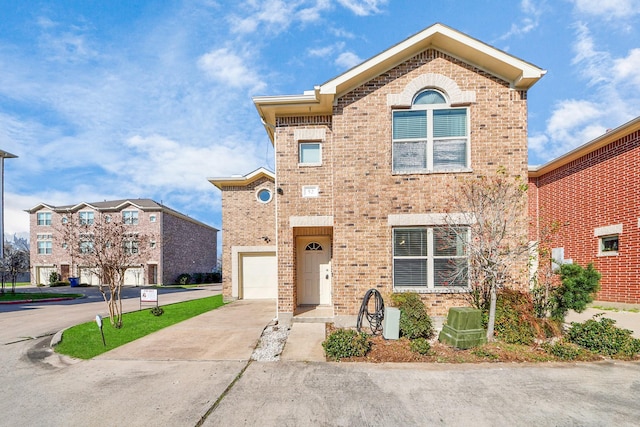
{"x":74,"y":281}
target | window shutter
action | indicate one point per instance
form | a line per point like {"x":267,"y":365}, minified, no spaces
{"x":447,"y":123}
{"x":409,"y":124}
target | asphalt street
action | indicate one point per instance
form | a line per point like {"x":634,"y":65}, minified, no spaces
{"x":188,"y":387}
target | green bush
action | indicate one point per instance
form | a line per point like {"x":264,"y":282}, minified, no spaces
{"x":604,"y":337}
{"x":576,"y":290}
{"x":157,"y":311}
{"x":53,"y":277}
{"x":563,"y":350}
{"x":420,"y":345}
{"x":414,"y":320}
{"x":515,"y":320}
{"x":58,"y":283}
{"x":184,"y":279}
{"x":343,"y":343}
{"x":198,"y":278}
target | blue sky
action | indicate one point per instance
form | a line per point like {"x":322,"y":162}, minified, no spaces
{"x":124,"y":99}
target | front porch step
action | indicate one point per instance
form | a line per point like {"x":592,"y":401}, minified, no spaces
{"x":308,"y":319}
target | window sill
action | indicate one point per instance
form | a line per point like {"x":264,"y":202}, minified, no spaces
{"x":433,"y":172}
{"x":606,"y":254}
{"x":309,"y":165}
{"x":444,"y":290}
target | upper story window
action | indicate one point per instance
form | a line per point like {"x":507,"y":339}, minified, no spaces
{"x":152,"y":218}
{"x":86,"y":218}
{"x":44,"y":218}
{"x":44,"y":244}
{"x":310,"y":153}
{"x":264,"y":195}
{"x":431,"y":136}
{"x":130,"y":217}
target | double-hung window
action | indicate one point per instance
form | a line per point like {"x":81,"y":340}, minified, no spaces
{"x":430,"y":257}
{"x":431,"y":136}
{"x":130,"y":217}
{"x":44,"y":218}
{"x":131,"y":247}
{"x":86,"y":218}
{"x":44,"y":243}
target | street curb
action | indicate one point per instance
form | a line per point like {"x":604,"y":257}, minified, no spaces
{"x":27,"y":301}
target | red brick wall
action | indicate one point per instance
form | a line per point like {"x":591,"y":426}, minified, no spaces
{"x":597,"y":190}
{"x":356,"y":182}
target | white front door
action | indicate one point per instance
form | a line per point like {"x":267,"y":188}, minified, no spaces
{"x":314,"y":270}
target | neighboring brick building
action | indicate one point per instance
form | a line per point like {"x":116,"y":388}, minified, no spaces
{"x":364,"y":161}
{"x":593,"y":191}
{"x":180,"y":243}
{"x":249,"y":268}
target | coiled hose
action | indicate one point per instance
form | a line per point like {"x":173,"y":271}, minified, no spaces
{"x":374,"y":318}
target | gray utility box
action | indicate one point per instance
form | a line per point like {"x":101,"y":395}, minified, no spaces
{"x":391,"y":323}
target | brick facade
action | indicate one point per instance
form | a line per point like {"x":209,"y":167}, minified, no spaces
{"x":596,"y":189}
{"x":358,"y":188}
{"x":246,"y":222}
{"x":181,"y":244}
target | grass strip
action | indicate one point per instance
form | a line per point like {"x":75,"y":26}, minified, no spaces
{"x":84,"y":341}
{"x":26,"y":296}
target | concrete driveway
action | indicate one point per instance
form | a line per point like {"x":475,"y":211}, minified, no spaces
{"x":199,"y":373}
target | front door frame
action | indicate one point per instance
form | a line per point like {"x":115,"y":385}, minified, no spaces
{"x":323,"y":271}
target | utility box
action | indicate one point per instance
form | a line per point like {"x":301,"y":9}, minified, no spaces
{"x":391,"y":323}
{"x":464,"y":328}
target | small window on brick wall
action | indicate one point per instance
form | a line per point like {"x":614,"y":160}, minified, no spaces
{"x":609,"y":245}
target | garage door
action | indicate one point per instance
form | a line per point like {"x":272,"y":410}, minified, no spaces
{"x":134,"y":276}
{"x":259,"y":277}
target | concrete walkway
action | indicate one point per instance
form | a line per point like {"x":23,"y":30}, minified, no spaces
{"x":228,"y":333}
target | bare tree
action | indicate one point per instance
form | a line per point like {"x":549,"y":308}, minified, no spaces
{"x":108,"y":248}
{"x":545,"y":278}
{"x":15,"y":261}
{"x":493,"y":212}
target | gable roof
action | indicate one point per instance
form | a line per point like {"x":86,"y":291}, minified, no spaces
{"x":146,"y":205}
{"x":591,"y":146}
{"x":520,"y":74}
{"x":242,"y":180}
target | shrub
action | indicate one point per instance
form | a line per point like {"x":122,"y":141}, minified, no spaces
{"x":198,"y":278}
{"x":414,"y":320}
{"x":184,"y":279}
{"x":515,"y":320}
{"x":157,"y":311}
{"x":53,"y":278}
{"x":420,"y":345}
{"x":576,"y":290}
{"x":563,"y":350}
{"x":604,"y":337}
{"x":343,"y":343}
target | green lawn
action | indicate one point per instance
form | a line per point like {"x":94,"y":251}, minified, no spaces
{"x":21,"y":296}
{"x":84,"y":341}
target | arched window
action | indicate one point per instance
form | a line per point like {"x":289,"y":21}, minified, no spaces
{"x":431,"y":136}
{"x":313,"y":246}
{"x":429,"y":96}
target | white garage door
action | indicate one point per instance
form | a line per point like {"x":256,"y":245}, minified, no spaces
{"x":134,"y":276}
{"x":259,"y":278}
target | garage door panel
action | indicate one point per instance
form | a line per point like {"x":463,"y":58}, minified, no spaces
{"x":259,"y":276}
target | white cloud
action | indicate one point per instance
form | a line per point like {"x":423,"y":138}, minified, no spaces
{"x":626,"y":69}
{"x":227,"y":67}
{"x":348,"y":60}
{"x":608,"y":9}
{"x":276,"y":15}
{"x":364,"y":7}
{"x":528,"y":23}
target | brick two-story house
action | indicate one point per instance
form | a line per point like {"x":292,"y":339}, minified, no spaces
{"x":363,"y":163}
{"x":592,"y":192}
{"x":180,"y":244}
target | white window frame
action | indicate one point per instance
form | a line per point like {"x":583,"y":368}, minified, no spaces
{"x":152,"y":218}
{"x":301,"y":144}
{"x":260,"y":190}
{"x":131,"y":246}
{"x":429,"y":259}
{"x":44,"y":244}
{"x":87,"y":217}
{"x":130,"y":217}
{"x":43,"y":218}
{"x":430,"y":139}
